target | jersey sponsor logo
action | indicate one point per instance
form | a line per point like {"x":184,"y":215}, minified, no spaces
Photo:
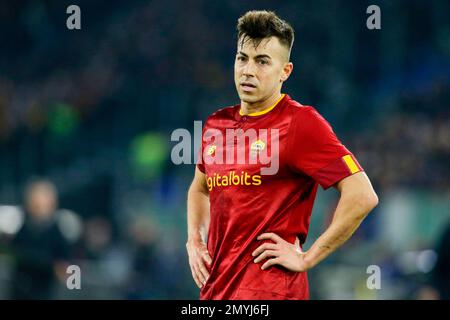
{"x":233,"y":179}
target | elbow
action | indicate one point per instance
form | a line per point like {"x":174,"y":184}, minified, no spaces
{"x":368,"y":200}
{"x":359,"y":194}
{"x":364,"y":202}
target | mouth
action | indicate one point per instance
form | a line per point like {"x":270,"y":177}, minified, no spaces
{"x":247,"y":86}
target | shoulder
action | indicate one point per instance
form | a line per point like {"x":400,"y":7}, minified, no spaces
{"x":223,"y":114}
{"x":299,"y":110}
{"x":301,"y":113}
{"x":305,"y":119}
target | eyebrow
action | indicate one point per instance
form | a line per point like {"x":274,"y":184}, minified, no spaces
{"x":257,"y":57}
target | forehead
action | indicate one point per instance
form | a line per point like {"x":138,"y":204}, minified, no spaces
{"x":270,"y":46}
{"x":41,"y":189}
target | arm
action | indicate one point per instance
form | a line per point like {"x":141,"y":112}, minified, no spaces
{"x":357,"y":199}
{"x":198,"y":223}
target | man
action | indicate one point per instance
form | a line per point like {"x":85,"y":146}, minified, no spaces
{"x":40,"y":250}
{"x":255,"y":224}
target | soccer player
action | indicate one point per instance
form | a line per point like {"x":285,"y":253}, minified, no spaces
{"x":246,"y":229}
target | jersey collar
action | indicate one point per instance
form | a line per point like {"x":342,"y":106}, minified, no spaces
{"x":267,"y":110}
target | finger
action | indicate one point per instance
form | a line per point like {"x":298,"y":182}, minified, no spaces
{"x":194,"y":276}
{"x":197,"y":281}
{"x":270,"y":263}
{"x":199,"y":273}
{"x":271,"y":236}
{"x":265,"y":246}
{"x":266,"y":254}
{"x":204,"y":273}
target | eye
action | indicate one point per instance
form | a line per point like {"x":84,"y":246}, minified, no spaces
{"x":263,"y":62}
{"x":241,"y":58}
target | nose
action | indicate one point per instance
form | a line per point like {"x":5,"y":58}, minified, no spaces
{"x":249,"y":69}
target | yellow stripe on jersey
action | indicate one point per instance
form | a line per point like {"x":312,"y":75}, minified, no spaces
{"x":350,"y":163}
{"x":265,"y":110}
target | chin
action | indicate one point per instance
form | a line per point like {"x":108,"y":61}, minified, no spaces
{"x":248,"y":98}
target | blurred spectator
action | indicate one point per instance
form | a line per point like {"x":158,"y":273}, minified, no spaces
{"x":441,"y":271}
{"x":438,"y":285}
{"x":40,"y":250}
{"x":97,"y":238}
{"x":145,"y":279}
{"x":105,"y":261}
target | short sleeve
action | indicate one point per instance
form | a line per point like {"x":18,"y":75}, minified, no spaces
{"x":314,"y":149}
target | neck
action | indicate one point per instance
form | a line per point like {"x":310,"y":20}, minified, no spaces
{"x":249,"y":108}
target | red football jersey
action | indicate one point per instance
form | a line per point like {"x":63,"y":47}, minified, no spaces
{"x":245,"y":203}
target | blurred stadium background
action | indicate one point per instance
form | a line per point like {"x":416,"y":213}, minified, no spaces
{"x":92,"y":110}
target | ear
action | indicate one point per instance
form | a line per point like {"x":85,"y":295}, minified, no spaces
{"x":287,"y":70}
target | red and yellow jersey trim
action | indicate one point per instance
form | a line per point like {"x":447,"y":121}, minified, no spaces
{"x":259,"y":113}
{"x":352,"y":166}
